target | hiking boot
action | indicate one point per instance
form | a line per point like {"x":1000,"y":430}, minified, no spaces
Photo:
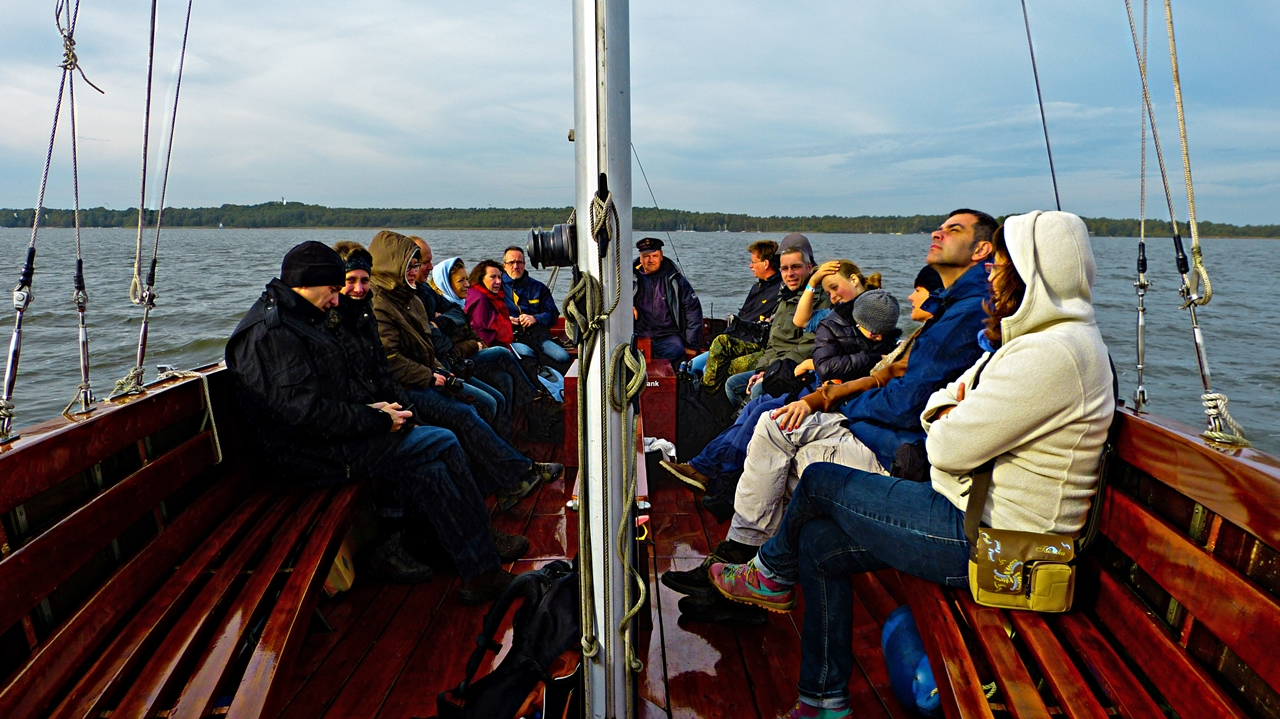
{"x":808,"y":711}
{"x":687,"y":474}
{"x":720,"y":506}
{"x":392,"y":562}
{"x":545,"y":472}
{"x":718,"y":610}
{"x":485,"y":588}
{"x":696,"y":582}
{"x":539,"y":473}
{"x":744,"y":583}
{"x":510,"y":546}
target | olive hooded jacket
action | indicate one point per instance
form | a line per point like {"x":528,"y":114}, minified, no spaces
{"x":403,"y":325}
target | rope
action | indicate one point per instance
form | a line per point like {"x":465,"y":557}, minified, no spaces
{"x":1199,"y":274}
{"x":129,"y":384}
{"x":135,"y":287}
{"x":581,"y":324}
{"x":1040,"y":98}
{"x":209,"y":419}
{"x":1215,"y":406}
{"x":627,"y":372}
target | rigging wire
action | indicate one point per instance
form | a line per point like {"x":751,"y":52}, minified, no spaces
{"x":661,"y":217}
{"x":1141,"y":284}
{"x":135,"y":287}
{"x":1035,"y":72}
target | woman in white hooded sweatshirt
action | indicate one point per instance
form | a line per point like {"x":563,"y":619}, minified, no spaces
{"x":1038,"y":403}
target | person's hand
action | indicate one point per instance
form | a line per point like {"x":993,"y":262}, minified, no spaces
{"x":805,"y":366}
{"x":830,"y":267}
{"x":790,"y":416}
{"x":378,"y":405}
{"x":635,"y":313}
{"x":947,"y":410}
{"x":754,"y":379}
{"x":526,"y":320}
{"x":690,"y":353}
{"x":398,"y":416}
{"x":439,"y":380}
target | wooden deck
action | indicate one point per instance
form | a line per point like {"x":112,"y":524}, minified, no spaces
{"x":394,"y":648}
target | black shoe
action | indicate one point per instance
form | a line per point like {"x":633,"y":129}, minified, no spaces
{"x":485,"y":588}
{"x":696,"y":582}
{"x":720,"y":505}
{"x":392,"y":562}
{"x":510,"y":546}
{"x":538,"y":474}
{"x":718,"y":610}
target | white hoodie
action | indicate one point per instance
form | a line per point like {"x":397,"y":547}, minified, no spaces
{"x":1043,"y":402}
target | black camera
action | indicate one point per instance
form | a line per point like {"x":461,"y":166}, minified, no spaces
{"x":557,"y":247}
{"x":454,"y":385}
{"x":746,"y":330}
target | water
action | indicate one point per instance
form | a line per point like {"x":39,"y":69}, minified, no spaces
{"x":208,"y":278}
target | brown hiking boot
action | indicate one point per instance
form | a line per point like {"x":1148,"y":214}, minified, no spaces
{"x":392,"y":562}
{"x":687,"y":474}
{"x":485,"y":588}
{"x":510,"y":546}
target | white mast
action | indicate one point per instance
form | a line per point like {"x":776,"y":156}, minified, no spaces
{"x":602,"y":145}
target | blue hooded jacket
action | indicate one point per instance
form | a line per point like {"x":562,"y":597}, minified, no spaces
{"x":887,"y":417}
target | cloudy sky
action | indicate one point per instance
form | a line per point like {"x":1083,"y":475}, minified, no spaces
{"x":843,"y":107}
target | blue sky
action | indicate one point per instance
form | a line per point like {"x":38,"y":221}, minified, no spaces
{"x":848,"y":107}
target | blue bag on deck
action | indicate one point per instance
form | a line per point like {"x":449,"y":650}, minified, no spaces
{"x":553,"y":381}
{"x":910,"y":675}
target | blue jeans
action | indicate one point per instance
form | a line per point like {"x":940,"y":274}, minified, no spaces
{"x":670,"y":348}
{"x":434,"y":484}
{"x":841,"y":521}
{"x":489,"y":402}
{"x":725,"y":454}
{"x":546,"y":346}
{"x":735,"y":388}
{"x":498,"y":368}
{"x":494,"y":463}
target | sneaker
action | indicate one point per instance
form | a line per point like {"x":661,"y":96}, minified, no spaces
{"x":539,"y":473}
{"x":485,"y":588}
{"x":718,"y":610}
{"x":687,"y":474}
{"x":545,"y":472}
{"x":696,"y":582}
{"x":808,"y":711}
{"x":392,"y":562}
{"x":744,"y":583}
{"x":510,"y":546}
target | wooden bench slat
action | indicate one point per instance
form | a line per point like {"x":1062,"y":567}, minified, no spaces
{"x":141,"y":697}
{"x":875,"y":595}
{"x":32,"y":572}
{"x":1180,"y":679}
{"x":194,"y":700}
{"x":1241,"y":615}
{"x":56,"y":661}
{"x":1015,"y":682}
{"x":124,"y":653}
{"x":282,"y":636}
{"x":1108,"y":669}
{"x":1064,"y":679}
{"x":958,"y":683}
{"x":46,"y":455}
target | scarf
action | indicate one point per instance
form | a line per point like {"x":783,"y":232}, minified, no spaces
{"x":440,"y":278}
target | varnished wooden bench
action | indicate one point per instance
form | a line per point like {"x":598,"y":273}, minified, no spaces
{"x":1175,"y":610}
{"x":140,"y":578}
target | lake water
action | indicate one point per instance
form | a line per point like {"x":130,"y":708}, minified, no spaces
{"x":208,"y":278}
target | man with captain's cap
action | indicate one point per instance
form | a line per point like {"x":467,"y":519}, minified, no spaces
{"x":667,"y":310}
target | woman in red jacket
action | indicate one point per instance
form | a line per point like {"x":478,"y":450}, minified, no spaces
{"x":486,"y":306}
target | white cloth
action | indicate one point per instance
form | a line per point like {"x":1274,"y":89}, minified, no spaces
{"x":656,"y":444}
{"x":775,"y":461}
{"x":1043,"y":401}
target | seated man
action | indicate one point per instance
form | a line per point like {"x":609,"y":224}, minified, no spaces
{"x":314,"y":426}
{"x":871,"y":425}
{"x":537,"y":311}
{"x":1040,"y":415}
{"x":738,"y":349}
{"x":786,"y":341}
{"x":406,"y":342}
{"x":667,"y":310}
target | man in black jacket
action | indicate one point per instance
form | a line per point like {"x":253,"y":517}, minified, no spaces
{"x":666,"y":308}
{"x":313,"y":426}
{"x":742,"y":343}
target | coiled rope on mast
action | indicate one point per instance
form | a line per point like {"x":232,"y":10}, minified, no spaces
{"x":141,"y":293}
{"x":1221,"y":427}
{"x":22,"y":292}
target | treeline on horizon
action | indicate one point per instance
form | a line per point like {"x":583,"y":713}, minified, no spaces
{"x":644,"y":219}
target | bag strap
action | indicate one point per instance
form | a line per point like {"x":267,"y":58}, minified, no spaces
{"x":979,"y":490}
{"x":1090,"y":531}
{"x":528,"y":585}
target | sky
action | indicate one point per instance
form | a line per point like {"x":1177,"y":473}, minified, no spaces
{"x":849,"y":107}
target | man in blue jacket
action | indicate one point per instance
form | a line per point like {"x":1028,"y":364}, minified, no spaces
{"x":535,"y":309}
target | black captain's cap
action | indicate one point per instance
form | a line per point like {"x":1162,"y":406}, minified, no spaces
{"x":649,"y":244}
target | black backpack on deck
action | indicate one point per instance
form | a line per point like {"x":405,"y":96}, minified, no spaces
{"x":542,"y":669}
{"x":700,"y":415}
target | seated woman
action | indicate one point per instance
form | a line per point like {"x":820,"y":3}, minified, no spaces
{"x":486,"y":305}
{"x":1038,"y":403}
{"x":496,"y":367}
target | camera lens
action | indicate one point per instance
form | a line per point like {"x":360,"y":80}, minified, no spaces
{"x":557,"y":247}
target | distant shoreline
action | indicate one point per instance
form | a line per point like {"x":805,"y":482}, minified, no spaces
{"x":297,"y":215}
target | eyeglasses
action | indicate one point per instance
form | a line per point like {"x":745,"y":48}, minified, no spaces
{"x":514,"y":263}
{"x":793,"y":268}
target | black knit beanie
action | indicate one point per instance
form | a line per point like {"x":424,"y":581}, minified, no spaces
{"x":312,"y":264}
{"x":928,"y":279}
{"x":360,"y":259}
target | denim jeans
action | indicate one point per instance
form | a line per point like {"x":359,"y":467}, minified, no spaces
{"x":670,"y":348}
{"x":842,"y":521}
{"x":494,"y":463}
{"x":548,"y":347}
{"x":489,"y":402}
{"x":735,"y":388}
{"x":725,"y":454}
{"x":498,"y":368}
{"x":434,"y":484}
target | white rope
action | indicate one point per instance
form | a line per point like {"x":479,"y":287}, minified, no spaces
{"x":209,"y":419}
{"x":1215,"y":406}
{"x":129,"y":384}
{"x":627,"y":371}
{"x":1199,"y":274}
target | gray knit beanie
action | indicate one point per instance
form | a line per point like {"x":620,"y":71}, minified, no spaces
{"x":876,"y":311}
